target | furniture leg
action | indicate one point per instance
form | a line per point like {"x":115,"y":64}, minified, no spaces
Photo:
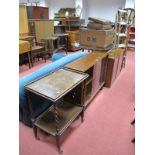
{"x":35,"y":132}
{"x":29,"y":59}
{"x":82,"y":116}
{"x":133,"y":140}
{"x":58,"y":144}
{"x":123,"y":62}
{"x":56,"y":117}
{"x":133,"y":122}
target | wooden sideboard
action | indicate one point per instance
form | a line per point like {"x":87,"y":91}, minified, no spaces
{"x":114,"y":65}
{"x":95,"y":65}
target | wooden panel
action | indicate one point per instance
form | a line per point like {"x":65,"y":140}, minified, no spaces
{"x":24,"y":46}
{"x":96,"y":77}
{"x":44,"y":29}
{"x":23,"y":20}
{"x":114,"y":65}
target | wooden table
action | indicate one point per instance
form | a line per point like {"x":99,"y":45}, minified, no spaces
{"x":64,"y":88}
{"x":24,"y":47}
{"x":51,"y":43}
{"x":94,"y":64}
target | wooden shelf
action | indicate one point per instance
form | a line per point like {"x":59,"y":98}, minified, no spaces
{"x":121,"y":34}
{"x":67,"y":114}
{"x":121,"y":45}
{"x":122,"y":23}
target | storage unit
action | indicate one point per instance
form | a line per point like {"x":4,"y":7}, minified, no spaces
{"x":114,"y":65}
{"x":131,"y":37}
{"x":37,"y":12}
{"x":64,"y":88}
{"x":95,"y":65}
{"x":121,"y":27}
{"x":73,"y":37}
{"x":72,"y":24}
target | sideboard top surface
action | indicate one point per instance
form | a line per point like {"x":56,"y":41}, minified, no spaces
{"x":86,"y":62}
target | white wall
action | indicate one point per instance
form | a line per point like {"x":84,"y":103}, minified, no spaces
{"x":55,"y":5}
{"x":41,"y":2}
{"x":105,"y":9}
{"x":130,"y":4}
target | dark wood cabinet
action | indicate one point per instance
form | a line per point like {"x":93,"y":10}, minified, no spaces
{"x":114,"y":65}
{"x":93,"y":64}
{"x":37,"y":12}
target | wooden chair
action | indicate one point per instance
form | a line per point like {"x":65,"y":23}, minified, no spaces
{"x":38,"y":51}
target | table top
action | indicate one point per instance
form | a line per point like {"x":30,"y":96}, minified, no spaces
{"x":26,"y":37}
{"x":55,"y":85}
{"x":86,"y":62}
{"x":115,"y":53}
{"x":24,"y":46}
{"x":78,"y":45}
{"x":50,"y":38}
{"x":61,"y":34}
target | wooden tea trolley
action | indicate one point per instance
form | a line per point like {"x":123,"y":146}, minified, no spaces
{"x":64,"y":88}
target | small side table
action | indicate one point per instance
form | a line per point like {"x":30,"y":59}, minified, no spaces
{"x":51,"y":44}
{"x":65,"y":89}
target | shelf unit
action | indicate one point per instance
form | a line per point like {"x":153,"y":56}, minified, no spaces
{"x":121,"y":28}
{"x":131,"y":37}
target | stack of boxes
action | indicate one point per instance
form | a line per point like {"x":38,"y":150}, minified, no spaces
{"x":99,"y":33}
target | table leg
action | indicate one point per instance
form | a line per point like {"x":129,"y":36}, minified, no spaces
{"x":82,"y":115}
{"x":58,"y":144}
{"x":56,"y":117}
{"x":35,"y":131}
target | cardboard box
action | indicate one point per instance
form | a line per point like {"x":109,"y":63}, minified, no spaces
{"x":96,"y":38}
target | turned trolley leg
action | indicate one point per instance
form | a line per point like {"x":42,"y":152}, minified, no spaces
{"x":58,"y":144}
{"x":35,"y":131}
{"x":82,"y":115}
